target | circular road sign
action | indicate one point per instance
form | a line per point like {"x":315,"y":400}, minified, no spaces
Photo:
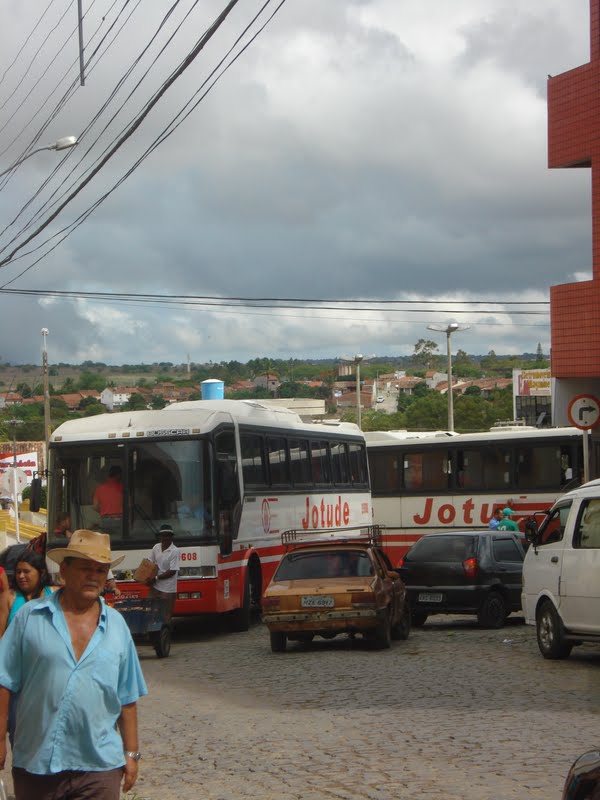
{"x":584,"y":411}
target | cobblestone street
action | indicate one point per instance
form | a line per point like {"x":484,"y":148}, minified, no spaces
{"x":454,"y":713}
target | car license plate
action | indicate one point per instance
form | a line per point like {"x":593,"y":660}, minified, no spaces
{"x":317,"y":601}
{"x":430,"y":597}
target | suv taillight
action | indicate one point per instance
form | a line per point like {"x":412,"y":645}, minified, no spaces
{"x":400,"y":564}
{"x":470,"y":567}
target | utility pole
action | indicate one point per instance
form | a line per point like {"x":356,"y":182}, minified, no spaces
{"x":45,"y":333}
{"x":15,"y":484}
{"x":357,"y":360}
{"x":449,"y":330}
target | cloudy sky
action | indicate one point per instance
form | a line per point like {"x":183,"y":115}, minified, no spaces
{"x":357,"y":151}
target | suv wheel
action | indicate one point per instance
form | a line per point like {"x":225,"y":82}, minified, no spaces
{"x":418,"y":618}
{"x":492,"y":613}
{"x":550,"y":633}
{"x":401,"y":629}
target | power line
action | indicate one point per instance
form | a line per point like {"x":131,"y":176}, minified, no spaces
{"x":24,"y":45}
{"x":166,"y":132}
{"x":183,"y":66}
{"x":270,"y":300}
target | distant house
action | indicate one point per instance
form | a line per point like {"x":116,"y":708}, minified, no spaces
{"x":10,"y":399}
{"x":267,"y":381}
{"x":407,"y":385}
{"x":118,"y":396}
{"x":241,"y":386}
{"x":172,"y":393}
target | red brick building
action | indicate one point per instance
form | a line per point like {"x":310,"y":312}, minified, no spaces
{"x":574,"y":141}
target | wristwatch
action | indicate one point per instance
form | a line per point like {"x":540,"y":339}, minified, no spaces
{"x":134,"y":754}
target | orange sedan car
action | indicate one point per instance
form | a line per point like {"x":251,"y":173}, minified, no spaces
{"x":343,"y":586}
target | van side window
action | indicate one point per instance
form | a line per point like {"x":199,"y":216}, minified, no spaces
{"x":554,"y":526}
{"x":587,"y":536}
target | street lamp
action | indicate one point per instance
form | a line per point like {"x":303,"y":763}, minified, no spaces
{"x":449,"y":330}
{"x":60,"y":144}
{"x":357,"y":360}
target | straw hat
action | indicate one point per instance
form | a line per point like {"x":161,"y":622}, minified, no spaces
{"x":90,"y":545}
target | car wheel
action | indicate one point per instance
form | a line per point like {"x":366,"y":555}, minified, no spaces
{"x":401,"y":629}
{"x":551,"y":634}
{"x":492,"y":613}
{"x":418,"y":618}
{"x":382,"y":635}
{"x":278,"y":642}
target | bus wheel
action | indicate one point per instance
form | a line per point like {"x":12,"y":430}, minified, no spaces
{"x":240,"y":618}
{"x":278,"y":642}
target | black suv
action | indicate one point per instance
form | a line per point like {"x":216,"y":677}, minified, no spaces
{"x":464,"y":572}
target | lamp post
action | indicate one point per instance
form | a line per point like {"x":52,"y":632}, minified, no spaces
{"x":357,"y":360}
{"x":45,"y":333}
{"x":64,"y":143}
{"x":449,"y":330}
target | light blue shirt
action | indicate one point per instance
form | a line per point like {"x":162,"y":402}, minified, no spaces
{"x":67,"y":710}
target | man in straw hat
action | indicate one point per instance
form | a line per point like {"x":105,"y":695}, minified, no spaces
{"x":72,"y":663}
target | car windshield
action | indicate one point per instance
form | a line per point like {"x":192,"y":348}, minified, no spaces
{"x":442,"y":548}
{"x":327,"y":564}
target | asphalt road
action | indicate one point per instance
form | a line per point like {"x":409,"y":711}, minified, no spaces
{"x":454,"y":713}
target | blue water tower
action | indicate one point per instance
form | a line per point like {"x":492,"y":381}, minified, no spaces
{"x":213,"y":389}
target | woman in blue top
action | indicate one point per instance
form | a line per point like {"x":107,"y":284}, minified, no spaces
{"x":31,"y":578}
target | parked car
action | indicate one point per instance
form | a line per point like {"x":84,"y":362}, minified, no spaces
{"x":561,"y":592}
{"x":464,"y":572}
{"x":341,"y":586}
{"x":380,"y":398}
{"x":583,"y":780}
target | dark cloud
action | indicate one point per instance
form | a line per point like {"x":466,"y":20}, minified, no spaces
{"x":370,"y":149}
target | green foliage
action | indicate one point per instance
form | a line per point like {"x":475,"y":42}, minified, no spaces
{"x":424,"y":355}
{"x":157,"y":402}
{"x":94,"y":408}
{"x":135,"y":403}
{"x":422,"y":390}
{"x":91,"y":380}
{"x":428,"y":413}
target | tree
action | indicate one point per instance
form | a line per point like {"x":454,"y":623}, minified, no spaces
{"x":89,"y":380}
{"x":135,"y":403}
{"x":157,"y":402}
{"x":428,"y":413}
{"x":424,"y":353}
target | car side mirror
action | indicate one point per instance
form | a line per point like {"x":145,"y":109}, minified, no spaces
{"x":35,"y":496}
{"x":531,"y":530}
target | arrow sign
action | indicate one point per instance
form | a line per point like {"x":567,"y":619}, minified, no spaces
{"x":584,"y":411}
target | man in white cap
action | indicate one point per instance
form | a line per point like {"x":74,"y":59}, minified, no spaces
{"x":72,"y":663}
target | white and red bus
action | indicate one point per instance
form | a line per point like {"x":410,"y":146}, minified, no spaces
{"x":422,"y":483}
{"x":229,"y":476}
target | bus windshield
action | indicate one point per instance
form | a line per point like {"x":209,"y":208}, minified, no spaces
{"x":130,"y":489}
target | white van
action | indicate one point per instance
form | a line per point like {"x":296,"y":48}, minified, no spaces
{"x":561,"y":573}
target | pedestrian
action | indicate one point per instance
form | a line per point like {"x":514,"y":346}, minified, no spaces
{"x":108,"y":500}
{"x":496,"y":519}
{"x":166,"y":557}
{"x":74,"y":666}
{"x":507,"y":524}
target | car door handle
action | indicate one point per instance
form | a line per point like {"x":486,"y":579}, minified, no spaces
{"x":554,"y":559}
